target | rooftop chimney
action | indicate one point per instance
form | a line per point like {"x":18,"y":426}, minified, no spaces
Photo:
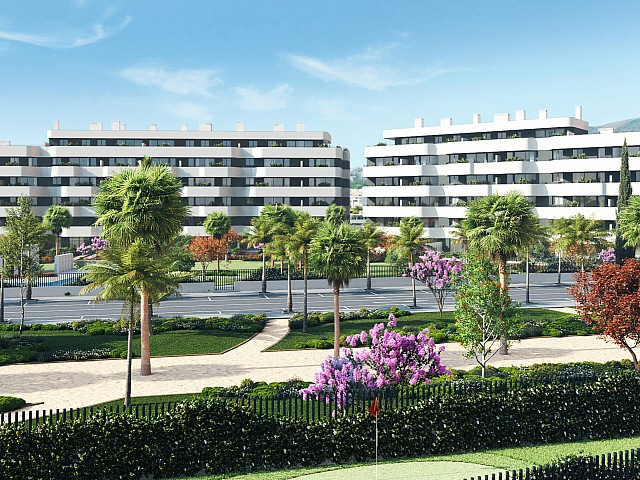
{"x":278,"y":127}
{"x":476,"y":118}
{"x":501,"y":117}
{"x":579,"y":112}
{"x":239,"y":126}
{"x":184,"y":128}
{"x":300,"y":127}
{"x":521,"y":115}
{"x":418,"y":123}
{"x":542,"y":114}
{"x":95,"y":126}
{"x":446,"y":122}
{"x":206,"y":127}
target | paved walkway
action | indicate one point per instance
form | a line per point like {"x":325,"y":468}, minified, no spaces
{"x":77,"y":384}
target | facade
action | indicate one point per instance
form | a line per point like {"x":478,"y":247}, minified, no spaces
{"x":432,"y":172}
{"x":234,"y":172}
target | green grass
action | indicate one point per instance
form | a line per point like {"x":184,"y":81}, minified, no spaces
{"x":178,"y":397}
{"x":178,"y":342}
{"x":416,"y":320}
{"x":499,"y":459}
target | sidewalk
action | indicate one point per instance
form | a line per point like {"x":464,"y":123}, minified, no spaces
{"x":77,"y":384}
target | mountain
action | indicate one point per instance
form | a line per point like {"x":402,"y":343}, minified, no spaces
{"x":628,"y":125}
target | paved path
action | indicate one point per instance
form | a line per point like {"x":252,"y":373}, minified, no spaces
{"x":77,"y":384}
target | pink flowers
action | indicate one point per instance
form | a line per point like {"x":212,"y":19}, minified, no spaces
{"x":392,"y":359}
{"x":96,"y":245}
{"x":437,"y":273}
{"x":607,"y":256}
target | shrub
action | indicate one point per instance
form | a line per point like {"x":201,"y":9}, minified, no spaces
{"x":315,"y":343}
{"x":7,"y":404}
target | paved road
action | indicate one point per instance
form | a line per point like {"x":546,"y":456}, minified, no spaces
{"x":67,"y":309}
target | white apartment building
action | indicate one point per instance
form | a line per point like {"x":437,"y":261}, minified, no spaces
{"x":433,"y":171}
{"x":235,"y":172}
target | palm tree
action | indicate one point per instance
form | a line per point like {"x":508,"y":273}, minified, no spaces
{"x":409,"y":244}
{"x":259,"y":235}
{"x":558,"y":229}
{"x":500,"y":226}
{"x":56,"y":219}
{"x":582,"y":236}
{"x":336,"y":214}
{"x":304,"y":232}
{"x":217,"y":224}
{"x":629,"y":222}
{"x":371,"y":238}
{"x":128,"y":274}
{"x":338,"y":254}
{"x":142,"y":205}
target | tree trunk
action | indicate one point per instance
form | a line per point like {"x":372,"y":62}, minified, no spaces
{"x":21,"y":309}
{"x":289,"y":292}
{"x":29,"y":290}
{"x":413,"y":288}
{"x":526,"y":297}
{"x":305,"y":312}
{"x":145,"y":347}
{"x":218,"y":260}
{"x":336,"y":320}
{"x":127,"y":394}
{"x":57,"y":244}
{"x":264,"y":273}
{"x":559,"y":267}
{"x":1,"y":294}
{"x":502,"y":271}
{"x":368,"y":270}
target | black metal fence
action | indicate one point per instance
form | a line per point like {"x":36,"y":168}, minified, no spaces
{"x":622,"y":465}
{"x":292,"y":405}
{"x":222,"y":280}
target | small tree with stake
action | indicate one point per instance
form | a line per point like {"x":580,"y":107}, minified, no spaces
{"x":608,"y":298}
{"x":437,"y":273}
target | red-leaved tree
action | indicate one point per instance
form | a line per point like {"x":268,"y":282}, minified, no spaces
{"x":203,"y":250}
{"x":609,"y":299}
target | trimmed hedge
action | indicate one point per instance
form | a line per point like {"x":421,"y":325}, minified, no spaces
{"x":8,"y":404}
{"x":215,"y":437}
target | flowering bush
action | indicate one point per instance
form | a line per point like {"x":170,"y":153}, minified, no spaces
{"x":392,"y":359}
{"x":437,"y":273}
{"x":607,"y":255}
{"x":95,"y":246}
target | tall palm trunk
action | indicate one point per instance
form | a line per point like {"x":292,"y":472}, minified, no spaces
{"x":1,"y":292}
{"x":336,"y":320}
{"x":57,"y":244}
{"x":127,"y":395}
{"x":502,"y":272}
{"x":560,"y":267}
{"x":264,"y":273}
{"x":368,"y":270}
{"x":145,"y":347}
{"x":305,"y":308}
{"x":526,"y":297}
{"x":413,"y":288}
{"x":289,"y":292}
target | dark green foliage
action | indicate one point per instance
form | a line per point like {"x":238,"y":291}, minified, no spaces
{"x":624,"y":193}
{"x":316,"y":318}
{"x":7,"y":404}
{"x":215,"y":437}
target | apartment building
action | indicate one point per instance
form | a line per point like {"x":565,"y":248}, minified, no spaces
{"x":234,"y":172}
{"x":433,"y":171}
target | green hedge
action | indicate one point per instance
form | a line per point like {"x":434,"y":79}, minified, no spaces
{"x":215,"y":437}
{"x":7,"y":404}
{"x":316,"y":318}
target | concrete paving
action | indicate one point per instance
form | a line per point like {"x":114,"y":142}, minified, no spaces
{"x":77,"y":384}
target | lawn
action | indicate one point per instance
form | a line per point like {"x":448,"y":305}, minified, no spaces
{"x":536,"y":321}
{"x":498,"y":460}
{"x":240,"y":265}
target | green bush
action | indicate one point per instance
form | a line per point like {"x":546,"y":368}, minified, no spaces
{"x":315,"y":343}
{"x":214,"y":437}
{"x":8,"y":404}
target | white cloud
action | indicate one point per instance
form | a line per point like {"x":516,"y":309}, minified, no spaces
{"x":274,"y":99}
{"x":98,"y":32}
{"x":180,"y":81}
{"x":373,"y":69}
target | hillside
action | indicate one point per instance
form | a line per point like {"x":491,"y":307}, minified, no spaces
{"x":628,"y":125}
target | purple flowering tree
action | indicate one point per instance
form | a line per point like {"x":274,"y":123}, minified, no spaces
{"x":392,"y":359}
{"x":607,"y":255}
{"x":95,"y":246}
{"x":437,"y":273}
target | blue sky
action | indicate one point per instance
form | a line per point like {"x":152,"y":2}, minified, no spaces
{"x":352,"y":68}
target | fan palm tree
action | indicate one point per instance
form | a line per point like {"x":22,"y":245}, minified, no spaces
{"x":583,"y":236}
{"x":56,"y":219}
{"x":142,"y":205}
{"x":371,"y":238}
{"x":409,"y":244}
{"x":130,"y":273}
{"x":629,"y":222}
{"x":500,"y":226}
{"x":558,"y":229}
{"x":217,"y":224}
{"x":338,"y":254}
{"x":258,"y":236}
{"x":304,"y":232}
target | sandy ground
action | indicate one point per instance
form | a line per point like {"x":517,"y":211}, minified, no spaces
{"x":77,"y":384}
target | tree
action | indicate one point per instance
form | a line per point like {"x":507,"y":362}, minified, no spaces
{"x":629,"y":223}
{"x":371,"y":238}
{"x":558,"y":229}
{"x":622,"y":249}
{"x":608,"y":298}
{"x":338,"y":254}
{"x":438,"y":273}
{"x":304,"y":231}
{"x":56,"y":219}
{"x":392,"y":359}
{"x":129,"y":274}
{"x":21,"y":246}
{"x":336,"y":215}
{"x":142,"y":205}
{"x":217,"y":224}
{"x":583,"y":237}
{"x":203,"y":250}
{"x":500,"y":226}
{"x":484,"y":312}
{"x":410,"y":244}
{"x":258,"y":236}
